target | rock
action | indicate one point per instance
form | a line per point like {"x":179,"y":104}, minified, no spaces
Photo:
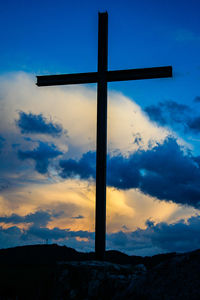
{"x":177,"y":278}
{"x":96,"y":280}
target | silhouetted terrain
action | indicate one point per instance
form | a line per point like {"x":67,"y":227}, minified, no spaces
{"x":59,"y":272}
{"x":50,"y":254}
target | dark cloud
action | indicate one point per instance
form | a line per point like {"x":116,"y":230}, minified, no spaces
{"x":119,"y":238}
{"x":46,"y":233}
{"x":10,"y":237}
{"x":57,"y":233}
{"x":14,"y":236}
{"x":78,"y":217}
{"x":197,"y":160}
{"x":38,"y":226}
{"x":123,"y":173}
{"x":166,"y":172}
{"x":37,"y":124}
{"x":38,"y":230}
{"x":127,"y":173}
{"x":174,"y":114}
{"x":84,"y":168}
{"x":82,"y":234}
{"x":4,"y":184}
{"x":149,"y":223}
{"x":155,"y":114}
{"x":180,"y":236}
{"x":2,"y":140}
{"x":168,"y":113}
{"x":125,"y":227}
{"x":41,"y":155}
{"x":15,"y":145}
{"x":160,"y":238}
{"x":197,"y":99}
{"x":39,"y":218}
{"x":137,"y":139}
{"x":194,"y":124}
{"x":38,"y":233}
{"x":169,"y":173}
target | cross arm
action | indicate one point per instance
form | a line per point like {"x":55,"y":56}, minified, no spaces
{"x":48,"y":80}
{"x":92,"y":77}
{"x":134,"y":74}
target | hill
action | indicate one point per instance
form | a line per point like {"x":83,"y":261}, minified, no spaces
{"x":59,"y":272}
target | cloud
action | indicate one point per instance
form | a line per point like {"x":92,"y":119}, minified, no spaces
{"x":10,"y":237}
{"x":46,"y":233}
{"x":85,"y":167}
{"x":76,"y":110}
{"x":180,"y":236}
{"x":125,"y":227}
{"x":122,"y":172}
{"x":155,"y":114}
{"x":197,"y":99}
{"x":78,"y":217}
{"x":168,"y":113}
{"x":41,"y":155}
{"x":37,"y":124}
{"x":194,"y":124}
{"x":4,"y":184}
{"x":165,"y":172}
{"x":39,"y":218}
{"x":129,"y":132}
{"x":2,"y":140}
{"x":137,"y":139}
{"x":38,"y":230}
{"x":172,"y":113}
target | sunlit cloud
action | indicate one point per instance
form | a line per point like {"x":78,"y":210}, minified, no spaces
{"x":32,"y":183}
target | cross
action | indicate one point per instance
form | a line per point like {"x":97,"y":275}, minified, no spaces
{"x":101,"y":77}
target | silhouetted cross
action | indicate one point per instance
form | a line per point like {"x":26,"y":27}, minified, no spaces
{"x":101,"y":77}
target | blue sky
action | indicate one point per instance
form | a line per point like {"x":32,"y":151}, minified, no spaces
{"x":46,"y":37}
{"x":47,"y":135}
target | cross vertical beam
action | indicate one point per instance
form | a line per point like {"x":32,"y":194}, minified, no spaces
{"x":100,"y":225}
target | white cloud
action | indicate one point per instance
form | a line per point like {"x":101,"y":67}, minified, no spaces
{"x":75,"y":108}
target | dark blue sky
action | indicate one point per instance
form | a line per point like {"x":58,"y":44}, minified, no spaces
{"x":61,"y":37}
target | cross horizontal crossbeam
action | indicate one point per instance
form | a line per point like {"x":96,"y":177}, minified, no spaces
{"x":93,"y":77}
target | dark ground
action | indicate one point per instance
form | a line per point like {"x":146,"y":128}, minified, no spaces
{"x":59,"y":272}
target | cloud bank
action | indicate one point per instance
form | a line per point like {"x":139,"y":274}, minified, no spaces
{"x":180,"y":236}
{"x":145,"y":162}
{"x":165,"y":172}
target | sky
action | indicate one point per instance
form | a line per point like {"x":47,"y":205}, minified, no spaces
{"x":48,"y":134}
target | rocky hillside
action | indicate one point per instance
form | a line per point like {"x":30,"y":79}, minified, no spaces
{"x":55,"y":272}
